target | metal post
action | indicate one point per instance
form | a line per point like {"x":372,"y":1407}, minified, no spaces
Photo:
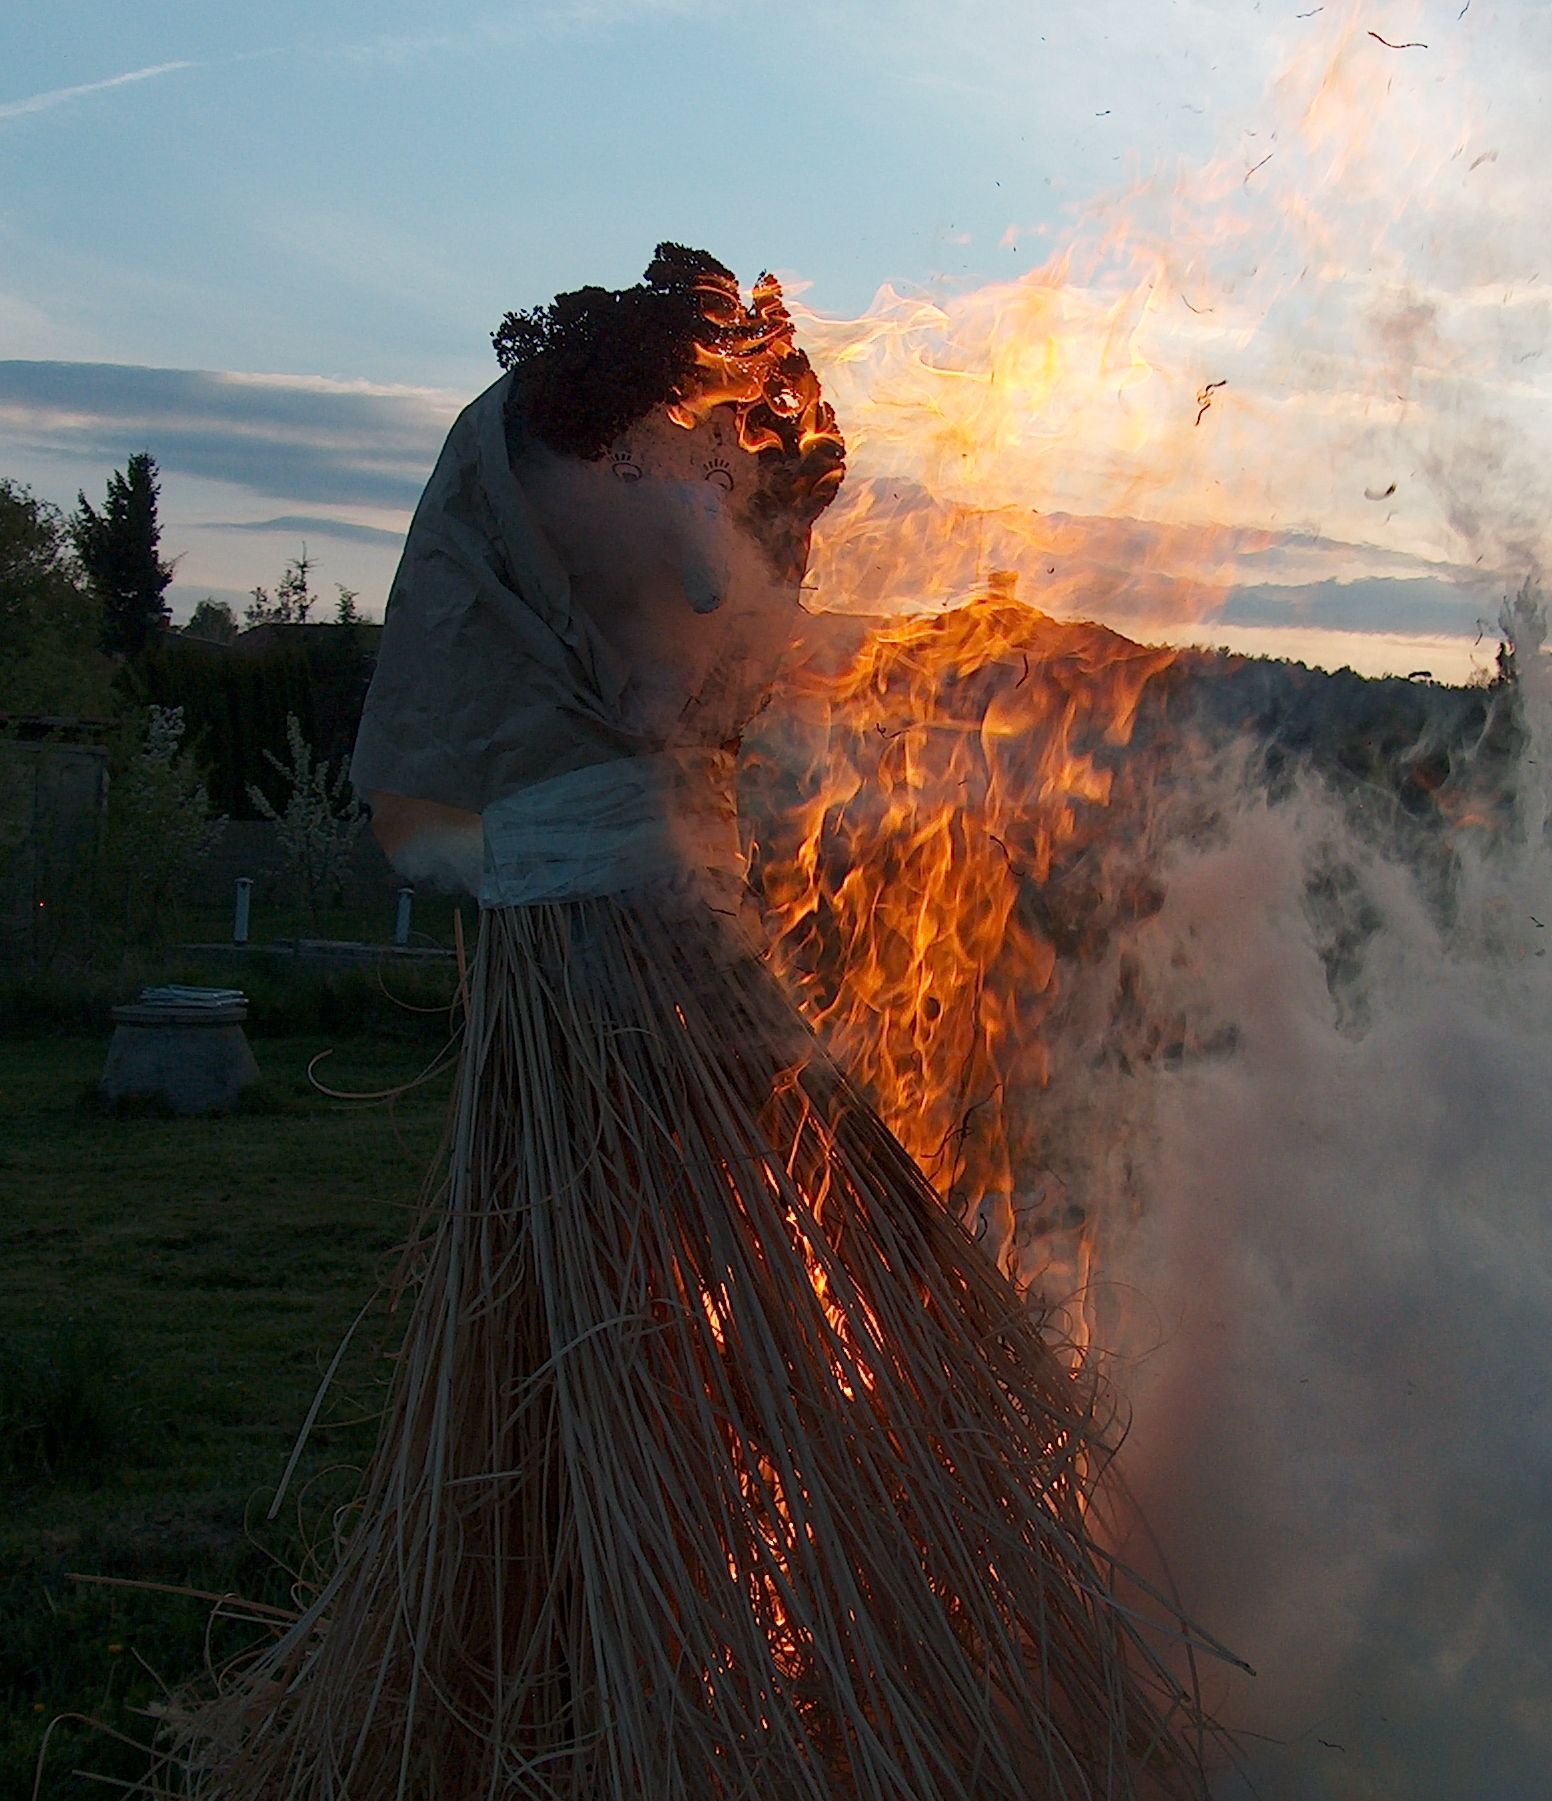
{"x":240,"y":918}
{"x":401,"y":926}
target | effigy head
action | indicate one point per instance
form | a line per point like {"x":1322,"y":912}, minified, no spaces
{"x":602,"y":576}
{"x":618,"y":374}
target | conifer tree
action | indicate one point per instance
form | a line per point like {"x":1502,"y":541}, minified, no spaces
{"x":118,"y":548}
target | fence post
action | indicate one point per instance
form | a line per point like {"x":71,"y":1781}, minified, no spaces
{"x":240,"y":917}
{"x":401,"y":925}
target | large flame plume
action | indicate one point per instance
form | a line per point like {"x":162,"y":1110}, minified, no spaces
{"x":942,"y":873}
{"x":1196,"y":389}
{"x":1258,"y":369}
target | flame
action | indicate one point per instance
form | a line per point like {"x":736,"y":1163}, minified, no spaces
{"x":1198,"y":385}
{"x":1054,"y":427}
{"x":964,"y":766}
{"x":1190,"y":393}
{"x":1102,"y":437}
{"x":753,"y":366}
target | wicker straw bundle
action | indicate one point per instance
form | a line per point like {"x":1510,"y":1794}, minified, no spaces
{"x":719,"y":1460}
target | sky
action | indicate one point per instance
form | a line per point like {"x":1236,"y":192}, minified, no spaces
{"x":269,"y":245}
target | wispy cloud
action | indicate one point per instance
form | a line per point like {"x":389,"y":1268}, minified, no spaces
{"x":41,"y":103}
{"x":288,"y":438}
{"x":302,"y":525}
{"x":1422,"y":607}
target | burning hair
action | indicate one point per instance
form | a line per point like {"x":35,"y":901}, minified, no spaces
{"x":595,"y":361}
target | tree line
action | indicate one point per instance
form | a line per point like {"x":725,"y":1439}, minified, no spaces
{"x":86,"y":634}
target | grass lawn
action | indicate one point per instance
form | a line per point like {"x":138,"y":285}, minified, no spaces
{"x":172,"y":1291}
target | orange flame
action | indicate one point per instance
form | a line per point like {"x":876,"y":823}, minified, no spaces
{"x":964,"y":763}
{"x":755,"y":367}
{"x":1111,"y":435}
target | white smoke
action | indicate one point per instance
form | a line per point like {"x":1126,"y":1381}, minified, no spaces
{"x":1328,"y":1293}
{"x":1300,"y":1072}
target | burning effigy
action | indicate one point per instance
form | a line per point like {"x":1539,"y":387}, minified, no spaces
{"x":720,"y":1457}
{"x":1208,"y":992}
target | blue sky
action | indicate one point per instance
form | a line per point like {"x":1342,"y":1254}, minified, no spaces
{"x":270,"y":246}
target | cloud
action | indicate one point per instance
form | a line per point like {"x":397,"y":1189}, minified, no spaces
{"x":297,"y":438}
{"x":308,"y":525}
{"x":307,"y":457}
{"x":1423,"y":605}
{"x":41,"y":103}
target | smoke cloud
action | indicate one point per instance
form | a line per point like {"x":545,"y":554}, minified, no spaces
{"x":1328,"y":1294}
{"x":1285,"y":1099}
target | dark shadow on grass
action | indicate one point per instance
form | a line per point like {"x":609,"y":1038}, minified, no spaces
{"x":262,"y":1098}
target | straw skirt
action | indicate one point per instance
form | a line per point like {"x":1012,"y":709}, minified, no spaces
{"x":720,"y":1462}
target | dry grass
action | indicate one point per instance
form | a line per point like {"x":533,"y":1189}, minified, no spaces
{"x":719,"y":1462}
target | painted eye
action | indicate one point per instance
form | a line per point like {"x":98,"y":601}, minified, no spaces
{"x":625,"y":466}
{"x":718,"y":473}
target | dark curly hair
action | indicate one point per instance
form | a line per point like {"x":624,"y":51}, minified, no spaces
{"x":593,"y":362}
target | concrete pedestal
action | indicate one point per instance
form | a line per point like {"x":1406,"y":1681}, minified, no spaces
{"x":192,"y":1059}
